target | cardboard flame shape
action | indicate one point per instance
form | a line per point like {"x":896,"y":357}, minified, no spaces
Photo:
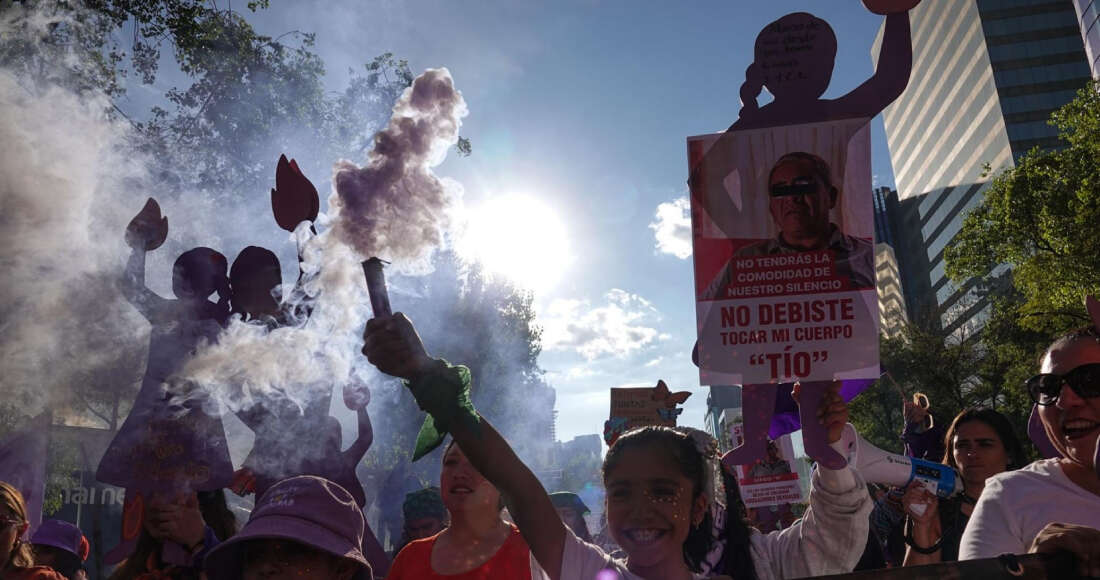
{"x":294,"y":198}
{"x":148,"y":230}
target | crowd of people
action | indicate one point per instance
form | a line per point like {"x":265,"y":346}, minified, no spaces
{"x":673,"y":509}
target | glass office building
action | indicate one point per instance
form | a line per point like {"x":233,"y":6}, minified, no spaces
{"x":1088,"y":12}
{"x":986,"y":76}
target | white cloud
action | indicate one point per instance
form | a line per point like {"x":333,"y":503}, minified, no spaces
{"x":579,"y":372}
{"x":618,"y":327}
{"x":655,"y":362}
{"x":673,"y":228}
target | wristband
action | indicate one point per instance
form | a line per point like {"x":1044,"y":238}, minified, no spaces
{"x":935,"y":547}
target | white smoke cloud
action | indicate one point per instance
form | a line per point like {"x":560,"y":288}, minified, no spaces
{"x":621,"y":325}
{"x":672,"y":228}
{"x":66,"y":194}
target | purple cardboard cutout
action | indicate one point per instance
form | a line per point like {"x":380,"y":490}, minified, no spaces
{"x":23,"y":465}
{"x":290,"y":440}
{"x":167,"y":446}
{"x":164,"y":445}
{"x":786,"y":418}
{"x":1093,"y":306}
{"x":1038,"y":435}
{"x":797,"y":76}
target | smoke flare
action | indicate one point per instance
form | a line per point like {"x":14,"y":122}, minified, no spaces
{"x":395,"y":207}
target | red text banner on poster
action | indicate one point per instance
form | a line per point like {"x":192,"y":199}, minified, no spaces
{"x":765,"y":494}
{"x":782,"y":227}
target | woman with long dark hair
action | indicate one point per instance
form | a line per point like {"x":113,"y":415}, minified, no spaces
{"x":979,"y":443}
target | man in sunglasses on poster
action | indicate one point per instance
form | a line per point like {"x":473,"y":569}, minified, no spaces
{"x":1053,"y":504}
{"x":802,"y":195}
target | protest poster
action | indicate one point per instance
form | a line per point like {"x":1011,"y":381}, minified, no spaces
{"x":771,"y":481}
{"x":633,"y":407}
{"x":782,"y":230}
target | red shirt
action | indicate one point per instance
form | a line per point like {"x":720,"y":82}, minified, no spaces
{"x":35,"y":573}
{"x":511,"y":562}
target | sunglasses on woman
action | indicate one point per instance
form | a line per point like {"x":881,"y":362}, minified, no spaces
{"x":1084,"y":380}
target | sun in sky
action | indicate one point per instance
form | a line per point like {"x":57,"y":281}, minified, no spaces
{"x":520,"y":237}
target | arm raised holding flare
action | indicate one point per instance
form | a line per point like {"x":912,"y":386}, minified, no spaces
{"x":657,"y":509}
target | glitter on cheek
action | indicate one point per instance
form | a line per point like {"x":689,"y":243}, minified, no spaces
{"x":672,"y":500}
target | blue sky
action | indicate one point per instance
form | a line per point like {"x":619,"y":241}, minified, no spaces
{"x":585,"y":105}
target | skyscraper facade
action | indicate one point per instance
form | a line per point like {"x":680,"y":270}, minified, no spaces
{"x":891,"y":298}
{"x":986,"y":76}
{"x":1088,"y":12}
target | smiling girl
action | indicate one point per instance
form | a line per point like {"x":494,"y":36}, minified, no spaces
{"x":660,"y":484}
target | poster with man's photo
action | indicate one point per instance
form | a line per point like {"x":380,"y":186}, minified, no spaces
{"x":782,"y":229}
{"x":771,"y":483}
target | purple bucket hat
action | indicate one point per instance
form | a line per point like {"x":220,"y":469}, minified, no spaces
{"x":305,"y":509}
{"x":62,"y":535}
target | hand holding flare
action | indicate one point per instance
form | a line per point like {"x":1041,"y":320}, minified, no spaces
{"x":294,"y":199}
{"x":392,"y":344}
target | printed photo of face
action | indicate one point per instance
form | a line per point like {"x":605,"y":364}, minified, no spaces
{"x":800,"y":203}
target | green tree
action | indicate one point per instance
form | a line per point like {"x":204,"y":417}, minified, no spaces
{"x":1032,"y":244}
{"x":247,"y":97}
{"x":488,"y":325}
{"x":1040,"y":218}
{"x":921,"y":359}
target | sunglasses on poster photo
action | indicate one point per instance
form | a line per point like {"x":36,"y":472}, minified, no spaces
{"x":797,"y":187}
{"x":1084,"y":380}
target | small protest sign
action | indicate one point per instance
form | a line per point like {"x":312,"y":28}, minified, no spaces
{"x":633,"y":407}
{"x":769,"y":481}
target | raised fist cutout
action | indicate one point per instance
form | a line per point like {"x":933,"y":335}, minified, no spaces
{"x":356,"y":395}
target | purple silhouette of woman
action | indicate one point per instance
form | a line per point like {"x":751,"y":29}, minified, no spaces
{"x":793,"y":59}
{"x":292,"y":438}
{"x":168,"y":443}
